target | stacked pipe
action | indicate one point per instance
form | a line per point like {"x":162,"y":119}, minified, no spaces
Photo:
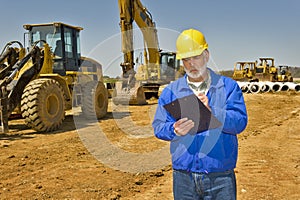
{"x":262,"y":87}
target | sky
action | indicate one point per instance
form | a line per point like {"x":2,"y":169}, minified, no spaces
{"x":235,"y":30}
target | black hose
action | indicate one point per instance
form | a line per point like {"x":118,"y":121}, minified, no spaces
{"x":11,"y":43}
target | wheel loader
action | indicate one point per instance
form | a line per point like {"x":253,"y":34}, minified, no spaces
{"x":50,"y":78}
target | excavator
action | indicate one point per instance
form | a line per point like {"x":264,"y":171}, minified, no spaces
{"x":159,"y":68}
{"x":50,"y":78}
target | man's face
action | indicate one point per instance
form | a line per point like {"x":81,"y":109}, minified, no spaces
{"x":196,"y":66}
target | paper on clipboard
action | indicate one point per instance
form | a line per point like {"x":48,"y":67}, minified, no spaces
{"x":192,"y":108}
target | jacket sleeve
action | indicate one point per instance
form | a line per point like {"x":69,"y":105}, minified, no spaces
{"x":163,"y":122}
{"x":236,"y":118}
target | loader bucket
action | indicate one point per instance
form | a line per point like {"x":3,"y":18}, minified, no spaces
{"x":132,"y":96}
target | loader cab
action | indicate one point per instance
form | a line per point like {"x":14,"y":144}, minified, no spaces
{"x":64,"y":41}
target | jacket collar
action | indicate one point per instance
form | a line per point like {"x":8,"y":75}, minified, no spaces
{"x":216,"y":81}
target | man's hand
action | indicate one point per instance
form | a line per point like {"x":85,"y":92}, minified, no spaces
{"x":183,"y":126}
{"x":204,"y":99}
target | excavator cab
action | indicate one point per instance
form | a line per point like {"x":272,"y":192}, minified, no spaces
{"x":169,"y":66}
{"x":64,"y":40}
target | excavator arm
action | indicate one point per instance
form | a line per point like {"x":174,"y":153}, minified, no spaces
{"x":130,"y":90}
{"x":133,"y":11}
{"x":126,"y":23}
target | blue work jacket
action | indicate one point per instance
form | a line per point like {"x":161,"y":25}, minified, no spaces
{"x":214,"y":150}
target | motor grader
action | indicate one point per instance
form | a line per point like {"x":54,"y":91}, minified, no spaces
{"x":50,"y":78}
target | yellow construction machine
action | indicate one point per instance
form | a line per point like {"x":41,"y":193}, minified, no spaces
{"x":265,"y":70}
{"x":284,"y":74}
{"x":159,"y":67}
{"x":50,"y":78}
{"x":244,"y":71}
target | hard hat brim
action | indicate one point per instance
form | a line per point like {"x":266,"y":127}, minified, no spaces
{"x":190,"y":54}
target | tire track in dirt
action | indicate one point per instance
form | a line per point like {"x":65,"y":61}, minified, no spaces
{"x":269,"y":160}
{"x":268,"y":166}
{"x":58,"y":166}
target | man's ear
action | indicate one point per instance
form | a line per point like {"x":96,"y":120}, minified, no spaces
{"x":206,"y":55}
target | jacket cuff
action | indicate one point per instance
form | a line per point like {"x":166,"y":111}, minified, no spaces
{"x":174,"y":131}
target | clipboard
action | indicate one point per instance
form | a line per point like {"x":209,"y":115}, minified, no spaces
{"x":192,"y":108}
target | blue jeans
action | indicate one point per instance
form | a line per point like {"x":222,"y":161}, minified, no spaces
{"x":216,"y":185}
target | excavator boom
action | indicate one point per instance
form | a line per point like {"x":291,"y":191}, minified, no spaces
{"x":133,"y":11}
{"x":148,"y":77}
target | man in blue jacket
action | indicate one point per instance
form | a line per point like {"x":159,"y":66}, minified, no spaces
{"x":203,"y":162}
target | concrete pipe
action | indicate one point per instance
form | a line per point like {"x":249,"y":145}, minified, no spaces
{"x":297,"y":87}
{"x":265,"y":86}
{"x":269,"y":86}
{"x":293,"y":86}
{"x":276,"y":87}
{"x":244,"y":86}
{"x":284,"y":87}
{"x":255,"y":87}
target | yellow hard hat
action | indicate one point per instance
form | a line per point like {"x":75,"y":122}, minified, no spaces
{"x":190,"y":43}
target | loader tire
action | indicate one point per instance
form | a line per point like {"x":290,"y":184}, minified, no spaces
{"x":43,"y":105}
{"x":94,"y":100}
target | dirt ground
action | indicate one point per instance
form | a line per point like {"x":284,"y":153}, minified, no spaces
{"x":114,"y":159}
